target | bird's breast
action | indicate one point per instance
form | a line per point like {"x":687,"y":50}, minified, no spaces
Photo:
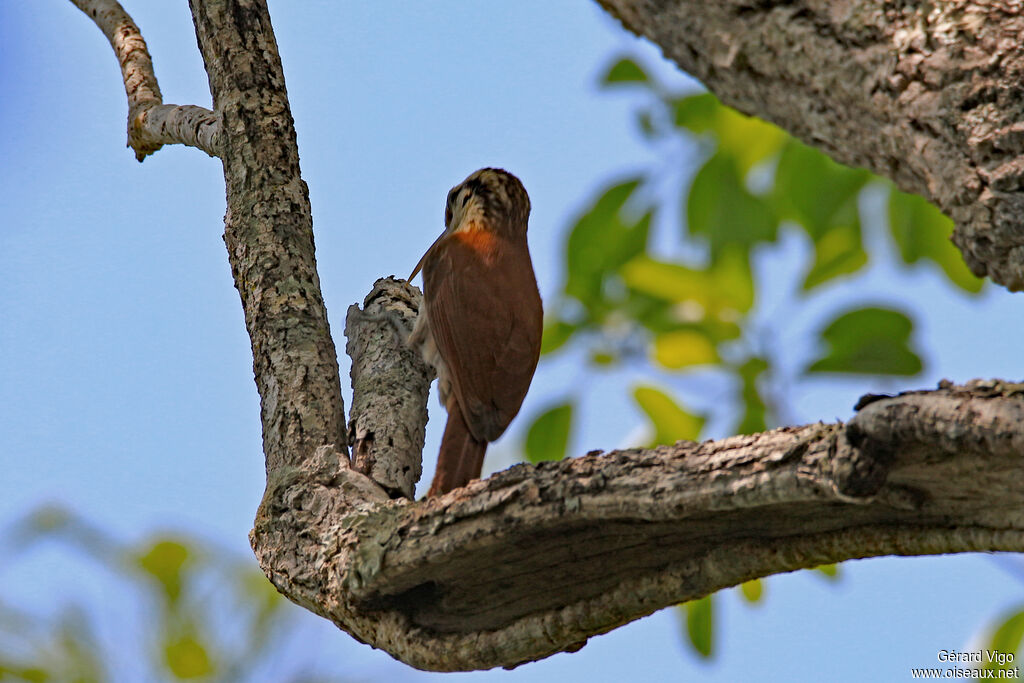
{"x":479,"y":239}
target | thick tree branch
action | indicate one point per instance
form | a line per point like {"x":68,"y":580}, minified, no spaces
{"x":535,"y":560}
{"x":930,"y":95}
{"x":151,"y":124}
{"x":268,"y":230}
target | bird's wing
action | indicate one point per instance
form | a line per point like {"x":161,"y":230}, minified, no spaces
{"x":486,"y":319}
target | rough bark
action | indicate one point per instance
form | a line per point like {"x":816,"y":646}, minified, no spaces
{"x":538,"y":558}
{"x":268,"y":231}
{"x":929,"y":94}
{"x":535,"y":560}
{"x":390,"y":384}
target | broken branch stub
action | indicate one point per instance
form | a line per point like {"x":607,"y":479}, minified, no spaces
{"x":390,"y":387}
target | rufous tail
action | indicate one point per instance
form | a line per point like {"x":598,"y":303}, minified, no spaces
{"x":461,"y":458}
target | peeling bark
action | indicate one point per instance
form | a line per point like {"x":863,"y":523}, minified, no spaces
{"x":928,"y":94}
{"x":537,"y":559}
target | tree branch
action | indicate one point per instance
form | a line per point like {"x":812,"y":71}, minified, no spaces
{"x":268,"y":231}
{"x":151,"y":124}
{"x":938,"y":84}
{"x":390,"y":385}
{"x":537,"y":559}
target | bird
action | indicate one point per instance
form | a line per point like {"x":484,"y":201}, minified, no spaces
{"x":481,"y":319}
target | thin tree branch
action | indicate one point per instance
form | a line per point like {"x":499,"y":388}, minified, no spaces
{"x":166,"y":124}
{"x":151,"y":123}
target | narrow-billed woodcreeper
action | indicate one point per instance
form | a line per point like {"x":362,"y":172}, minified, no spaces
{"x":480,"y":321}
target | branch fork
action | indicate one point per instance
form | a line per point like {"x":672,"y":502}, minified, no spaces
{"x":537,"y":559}
{"x":151,"y":123}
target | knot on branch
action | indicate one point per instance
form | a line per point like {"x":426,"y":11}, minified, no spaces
{"x":979,"y":417}
{"x":139,"y":138}
{"x":860,"y":471}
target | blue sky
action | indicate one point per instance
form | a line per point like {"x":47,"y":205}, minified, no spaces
{"x":126,"y":386}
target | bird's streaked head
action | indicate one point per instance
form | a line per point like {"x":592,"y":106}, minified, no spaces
{"x":491,"y":198}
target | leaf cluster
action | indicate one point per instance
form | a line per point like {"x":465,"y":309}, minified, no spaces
{"x":700,"y":306}
{"x":205,"y":615}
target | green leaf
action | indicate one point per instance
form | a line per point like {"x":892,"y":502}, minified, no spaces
{"x":660,"y":315}
{"x":732,"y":281}
{"x":638,"y":307}
{"x":29,"y":674}
{"x":668,"y":281}
{"x":921,"y":231}
{"x":696,"y":113}
{"x":838,"y":252}
{"x":721,"y":210}
{"x":744,"y":139}
{"x":726,"y":286}
{"x":830,"y":571}
{"x":700,"y":625}
{"x":257,"y":590}
{"x":556,"y":334}
{"x":186,"y":658}
{"x":754,"y":418}
{"x":165,"y":560}
{"x":815,"y":191}
{"x":625,"y":70}
{"x":683,"y":348}
{"x":1007,"y":639}
{"x":600,"y":242}
{"x":671,"y":422}
{"x":548,"y":436}
{"x":752,"y":591}
{"x":871,"y":341}
{"x":821,"y":196}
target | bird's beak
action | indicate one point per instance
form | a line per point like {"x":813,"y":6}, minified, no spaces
{"x":424,"y":257}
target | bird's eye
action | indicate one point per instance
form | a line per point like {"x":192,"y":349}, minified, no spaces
{"x":448,"y":215}
{"x":451,"y":196}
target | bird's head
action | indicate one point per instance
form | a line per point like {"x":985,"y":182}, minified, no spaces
{"x":490,"y":198}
